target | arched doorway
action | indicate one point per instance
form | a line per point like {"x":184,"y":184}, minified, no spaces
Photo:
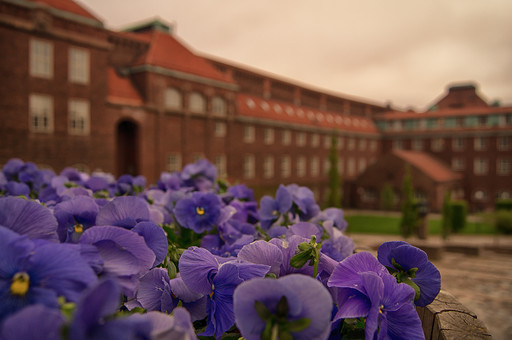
{"x":127,"y":148}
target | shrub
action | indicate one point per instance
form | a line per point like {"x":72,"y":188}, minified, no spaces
{"x":503,"y":222}
{"x":387,"y":197}
{"x":459,"y":211}
{"x":446,"y":222}
{"x":503,"y":204}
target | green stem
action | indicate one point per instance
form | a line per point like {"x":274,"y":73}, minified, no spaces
{"x":274,"y":332}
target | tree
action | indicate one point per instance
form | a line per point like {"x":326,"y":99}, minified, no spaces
{"x":334,"y":193}
{"x":387,"y":197}
{"x":409,"y":218}
{"x":446,"y":220}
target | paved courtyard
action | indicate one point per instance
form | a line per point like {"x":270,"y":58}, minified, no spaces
{"x":482,"y":283}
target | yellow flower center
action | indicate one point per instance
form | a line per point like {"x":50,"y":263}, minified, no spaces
{"x":20,"y":284}
{"x":79,"y":228}
{"x":200,"y":210}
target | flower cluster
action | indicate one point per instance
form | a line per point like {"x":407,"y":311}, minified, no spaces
{"x":95,"y":257}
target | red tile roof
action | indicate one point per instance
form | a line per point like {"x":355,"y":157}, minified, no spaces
{"x":167,"y":52}
{"x":68,"y":6}
{"x":121,"y":90}
{"x":257,"y":107}
{"x":427,"y":164}
{"x":468,"y":111}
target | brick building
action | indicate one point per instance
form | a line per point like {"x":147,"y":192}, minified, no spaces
{"x":141,"y":101}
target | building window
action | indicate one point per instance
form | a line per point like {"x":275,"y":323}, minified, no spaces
{"x":249,"y":134}
{"x":197,"y":156}
{"x":173,"y":99}
{"x":41,"y":58}
{"x":301,"y":166}
{"x":504,"y":195}
{"x":351,"y":143}
{"x":373,"y":145}
{"x":362,"y":144}
{"x":437,"y":144}
{"x":327,"y":142}
{"x":458,"y":144}
{"x":79,"y":117}
{"x":286,"y":167}
{"x":481,"y":166}
{"x":315,"y":140}
{"x":361,"y":165}
{"x":300,"y":139}
{"x":351,"y":167}
{"x":41,"y":113}
{"x":220,"y":164}
{"x":417,"y":144}
{"x":504,"y":166}
{"x":268,"y":136}
{"x":458,"y":164}
{"x":173,"y":162}
{"x":398,"y":144}
{"x":219,"y":107}
{"x":268,"y":167}
{"x":480,"y":195}
{"x":197,"y":103}
{"x":480,"y":143}
{"x":286,"y":137}
{"x":315,"y":166}
{"x":503,"y":143}
{"x":249,"y":170}
{"x":219,"y":129}
{"x":78,"y":65}
{"x":369,"y":195}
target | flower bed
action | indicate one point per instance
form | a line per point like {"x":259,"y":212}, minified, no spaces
{"x":94,"y":257}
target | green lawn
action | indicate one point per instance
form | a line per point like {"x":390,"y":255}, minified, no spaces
{"x":375,"y":224}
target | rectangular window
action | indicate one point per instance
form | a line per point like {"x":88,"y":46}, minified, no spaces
{"x":480,"y":143}
{"x":458,"y":144}
{"x":41,"y":58}
{"x":398,"y":144}
{"x":417,"y":144}
{"x":481,"y":166}
{"x":79,"y":117}
{"x":300,"y":139}
{"x":268,"y":167}
{"x":219,"y":129}
{"x":450,"y":122}
{"x":504,"y":166}
{"x":351,"y":167}
{"x":362,"y":165}
{"x":285,"y":167}
{"x":362,"y":144}
{"x":373,"y":145}
{"x":437,"y":144}
{"x":219,"y":107}
{"x":220,"y":163}
{"x":173,"y":99}
{"x":268,"y":136}
{"x":301,"y":166}
{"x":249,"y":165}
{"x":503,"y":143}
{"x":470,"y":121}
{"x":249,"y":134}
{"x":315,"y":166}
{"x":79,"y":65}
{"x":458,"y":164}
{"x":315,"y":140}
{"x":41,"y":113}
{"x":173,"y":162}
{"x":286,"y":137}
{"x":327,"y":142}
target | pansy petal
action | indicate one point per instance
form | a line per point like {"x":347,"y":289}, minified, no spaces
{"x":351,"y":304}
{"x":263,"y":252}
{"x":428,"y":279}
{"x":123,"y":211}
{"x":155,"y":238}
{"x":197,"y":267}
{"x":38,"y":322}
{"x":384,"y":250}
{"x":346,"y":274}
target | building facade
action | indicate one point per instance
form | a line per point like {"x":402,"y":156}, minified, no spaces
{"x":141,"y":102}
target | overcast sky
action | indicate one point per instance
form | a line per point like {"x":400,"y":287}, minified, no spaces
{"x":402,"y":51}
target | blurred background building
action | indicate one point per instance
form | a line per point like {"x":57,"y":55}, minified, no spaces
{"x":140,"y":101}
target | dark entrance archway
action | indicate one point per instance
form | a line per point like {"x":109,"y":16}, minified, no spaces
{"x":127,"y":141}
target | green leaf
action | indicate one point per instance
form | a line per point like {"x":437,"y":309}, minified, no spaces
{"x":262,"y":311}
{"x":298,"y":325}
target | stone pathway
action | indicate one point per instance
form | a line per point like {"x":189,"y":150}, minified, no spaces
{"x":482,"y":283}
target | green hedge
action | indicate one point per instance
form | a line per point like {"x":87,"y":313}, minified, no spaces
{"x":503,"y":204}
{"x":459,"y":212}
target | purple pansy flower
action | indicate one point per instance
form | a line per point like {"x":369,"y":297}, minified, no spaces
{"x":304,"y":199}
{"x":272,"y":209}
{"x":125,"y":254}
{"x":33,"y":272}
{"x":38,"y":322}
{"x":366,"y":289}
{"x":123,"y":211}
{"x":74,"y":216}
{"x":408,"y":263}
{"x":200,"y":175}
{"x":28,"y":218}
{"x":335,"y":215}
{"x":202,"y":273}
{"x":199,"y":212}
{"x":306,"y":313}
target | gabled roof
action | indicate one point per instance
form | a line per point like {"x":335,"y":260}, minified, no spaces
{"x":68,"y":6}
{"x":121,"y":90}
{"x":167,"y":52}
{"x":257,"y":107}
{"x":427,"y":164}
